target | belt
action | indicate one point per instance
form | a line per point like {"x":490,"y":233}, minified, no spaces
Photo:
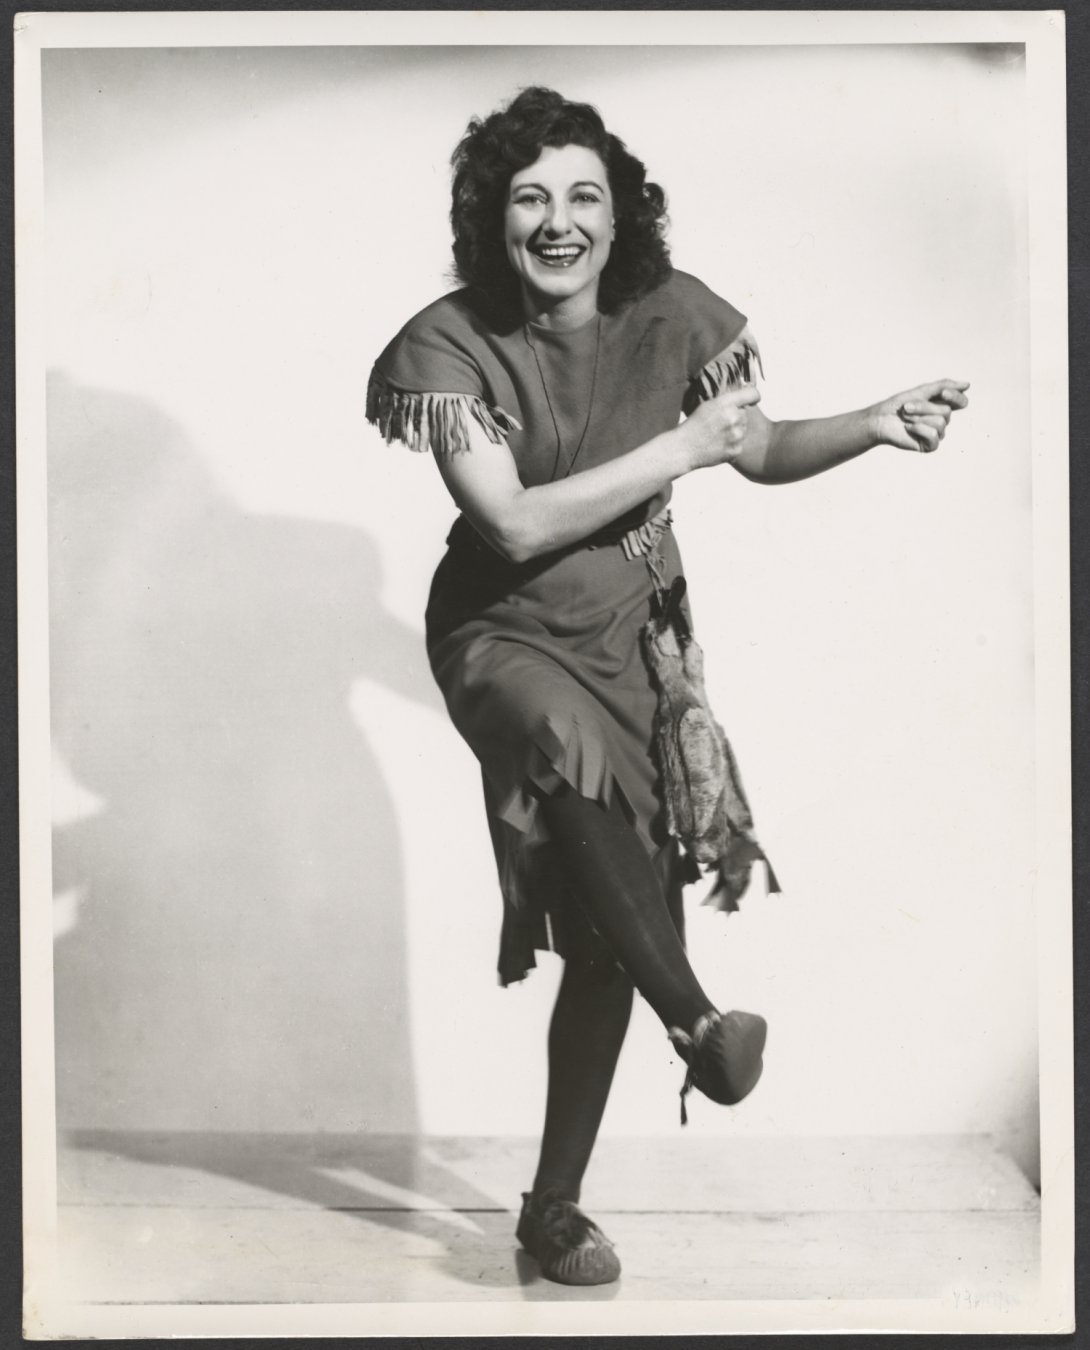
{"x":634,"y":543}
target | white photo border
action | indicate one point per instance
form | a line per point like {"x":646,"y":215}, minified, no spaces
{"x":46,"y":1313}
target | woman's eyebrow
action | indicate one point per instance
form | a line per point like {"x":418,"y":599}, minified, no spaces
{"x":583,"y":182}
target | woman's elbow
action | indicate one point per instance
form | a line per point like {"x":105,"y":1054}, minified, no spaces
{"x":757,"y":462}
{"x":522,"y":546}
{"x":753,"y":468}
{"x":514,"y":540}
{"x":512,"y":550}
{"x":517,"y":530}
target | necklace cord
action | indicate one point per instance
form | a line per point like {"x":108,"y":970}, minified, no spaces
{"x":549,"y":402}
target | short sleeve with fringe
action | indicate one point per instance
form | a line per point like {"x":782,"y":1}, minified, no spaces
{"x":452,"y":370}
{"x":428,"y":385}
{"x":721,"y":351}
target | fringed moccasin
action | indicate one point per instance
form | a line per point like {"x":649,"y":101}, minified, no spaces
{"x":569,"y":1247}
{"x":724,"y":1055}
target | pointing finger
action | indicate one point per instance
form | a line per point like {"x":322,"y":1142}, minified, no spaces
{"x":923,"y":408}
{"x":935,"y":387}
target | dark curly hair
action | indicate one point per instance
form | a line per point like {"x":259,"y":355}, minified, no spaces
{"x":495,"y":148}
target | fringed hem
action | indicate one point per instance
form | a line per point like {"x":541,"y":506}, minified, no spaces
{"x":559,"y":754}
{"x":432,"y":421}
{"x":533,"y":880}
{"x":548,"y":919}
{"x":730,"y":368}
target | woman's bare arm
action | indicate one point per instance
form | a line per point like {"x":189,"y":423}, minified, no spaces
{"x":522,"y":523}
{"x":787,"y":451}
{"x":525,"y":522}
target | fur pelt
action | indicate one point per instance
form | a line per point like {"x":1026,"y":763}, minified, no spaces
{"x":706,"y":807}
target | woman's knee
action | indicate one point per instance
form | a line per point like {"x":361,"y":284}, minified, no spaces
{"x":597,"y":971}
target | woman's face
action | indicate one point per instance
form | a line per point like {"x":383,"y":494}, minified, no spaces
{"x":558,"y":228}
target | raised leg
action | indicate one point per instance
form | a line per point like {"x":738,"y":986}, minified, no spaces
{"x":620,"y":890}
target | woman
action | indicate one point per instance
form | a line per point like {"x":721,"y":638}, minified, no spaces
{"x":551,"y":389}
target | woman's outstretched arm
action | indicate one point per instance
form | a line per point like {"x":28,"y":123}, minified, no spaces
{"x":784,"y":452}
{"x":525,"y":522}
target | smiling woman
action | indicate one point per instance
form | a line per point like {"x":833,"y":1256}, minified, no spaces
{"x":551,"y":389}
{"x":559,"y":230}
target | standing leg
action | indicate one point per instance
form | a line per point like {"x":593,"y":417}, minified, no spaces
{"x":585,"y":1038}
{"x":587,"y":1031}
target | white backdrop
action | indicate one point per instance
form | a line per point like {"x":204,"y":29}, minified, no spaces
{"x":276,"y":906}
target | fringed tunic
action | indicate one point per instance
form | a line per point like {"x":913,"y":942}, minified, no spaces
{"x":539,"y":662}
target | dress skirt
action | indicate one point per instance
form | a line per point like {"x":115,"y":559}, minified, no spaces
{"x":542,"y":673}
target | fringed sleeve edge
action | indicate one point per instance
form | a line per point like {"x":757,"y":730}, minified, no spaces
{"x":733,"y":366}
{"x":432,"y":421}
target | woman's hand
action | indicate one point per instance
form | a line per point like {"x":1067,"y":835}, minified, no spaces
{"x":917,"y":419}
{"x":715,"y":432}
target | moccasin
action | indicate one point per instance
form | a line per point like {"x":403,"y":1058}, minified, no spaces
{"x":724,"y":1054}
{"x":569,"y":1247}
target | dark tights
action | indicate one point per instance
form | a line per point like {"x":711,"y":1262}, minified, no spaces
{"x":620,"y":890}
{"x":585,"y":1037}
{"x":622,"y":895}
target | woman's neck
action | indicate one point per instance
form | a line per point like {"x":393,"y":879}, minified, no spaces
{"x":573,"y":311}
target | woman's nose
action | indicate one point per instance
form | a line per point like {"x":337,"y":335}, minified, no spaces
{"x":557,"y":221}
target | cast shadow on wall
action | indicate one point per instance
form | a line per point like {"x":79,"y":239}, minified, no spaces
{"x":238,"y":957}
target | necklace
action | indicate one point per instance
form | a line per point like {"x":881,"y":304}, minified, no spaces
{"x":549,"y":401}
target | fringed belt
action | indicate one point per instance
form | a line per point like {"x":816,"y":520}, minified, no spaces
{"x":643,"y":540}
{"x":638,"y":542}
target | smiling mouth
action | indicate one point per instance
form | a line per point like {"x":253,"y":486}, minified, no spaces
{"x":558,"y":255}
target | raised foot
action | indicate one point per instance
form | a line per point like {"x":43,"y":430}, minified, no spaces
{"x":724,"y":1055}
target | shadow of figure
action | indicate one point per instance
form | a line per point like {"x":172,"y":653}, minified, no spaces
{"x":238,"y":959}
{"x":398,"y":1182}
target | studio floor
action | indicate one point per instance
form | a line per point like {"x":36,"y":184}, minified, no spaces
{"x":234,"y":1218}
